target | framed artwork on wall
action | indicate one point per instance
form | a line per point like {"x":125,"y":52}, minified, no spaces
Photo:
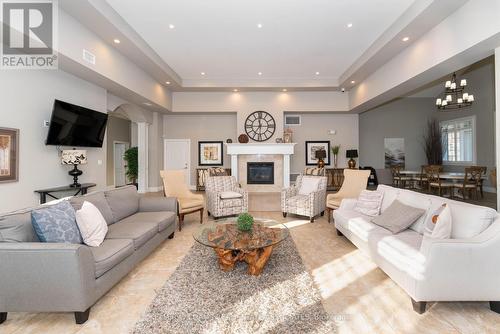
{"x":312,"y":147}
{"x":9,"y":155}
{"x":210,"y":153}
{"x":394,"y":152}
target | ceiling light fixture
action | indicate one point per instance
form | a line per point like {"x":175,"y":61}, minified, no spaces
{"x":167,"y":82}
{"x":454,"y":97}
{"x":171,"y":26}
{"x":349,"y":25}
{"x":353,"y":82}
{"x":284,"y":89}
{"x":147,"y":104}
{"x":202,"y":73}
{"x":406,"y":39}
{"x":235,"y":90}
{"x":259,"y":25}
{"x":317,"y":73}
{"x":117,"y":41}
{"x":260,"y":73}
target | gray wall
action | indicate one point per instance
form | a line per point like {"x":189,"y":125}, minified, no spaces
{"x":200,"y":127}
{"x":407,"y":118}
{"x":26,"y":101}
{"x":118,"y":130}
{"x":316,"y":126}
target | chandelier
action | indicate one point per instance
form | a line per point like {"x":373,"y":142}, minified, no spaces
{"x":455,"y":96}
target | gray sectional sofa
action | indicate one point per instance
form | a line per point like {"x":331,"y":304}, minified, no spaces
{"x":56,"y":277}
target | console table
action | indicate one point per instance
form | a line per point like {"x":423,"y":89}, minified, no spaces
{"x":82,"y":190}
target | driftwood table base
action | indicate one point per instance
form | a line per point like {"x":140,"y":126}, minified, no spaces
{"x":256,"y":258}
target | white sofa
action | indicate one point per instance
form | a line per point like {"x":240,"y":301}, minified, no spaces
{"x":463,"y":268}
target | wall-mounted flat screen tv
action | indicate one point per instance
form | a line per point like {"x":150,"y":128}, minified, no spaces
{"x":72,"y":125}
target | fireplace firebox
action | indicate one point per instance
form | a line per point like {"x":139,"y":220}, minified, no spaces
{"x":260,"y":173}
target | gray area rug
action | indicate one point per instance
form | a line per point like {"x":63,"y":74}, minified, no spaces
{"x":200,"y":298}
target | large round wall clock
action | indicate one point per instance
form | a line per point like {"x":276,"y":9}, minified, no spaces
{"x":260,"y":126}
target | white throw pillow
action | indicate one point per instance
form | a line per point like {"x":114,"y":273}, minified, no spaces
{"x":92,"y":224}
{"x":369,"y":203}
{"x":309,"y":185}
{"x":438,"y":225}
{"x":230,"y":194}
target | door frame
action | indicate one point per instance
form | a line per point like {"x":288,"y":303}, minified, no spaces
{"x":127,"y":145}
{"x":188,"y":141}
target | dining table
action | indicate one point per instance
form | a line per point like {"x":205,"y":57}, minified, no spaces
{"x":443,"y":175}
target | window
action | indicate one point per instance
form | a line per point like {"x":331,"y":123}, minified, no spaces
{"x":459,"y":140}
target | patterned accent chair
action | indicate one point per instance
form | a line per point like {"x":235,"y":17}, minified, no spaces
{"x":225,"y":197}
{"x":304,"y":205}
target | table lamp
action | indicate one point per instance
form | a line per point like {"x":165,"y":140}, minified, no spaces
{"x":351,"y":154}
{"x":75,"y":158}
{"x":320,"y":155}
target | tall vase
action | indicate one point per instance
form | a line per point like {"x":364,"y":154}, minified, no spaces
{"x":335,"y":159}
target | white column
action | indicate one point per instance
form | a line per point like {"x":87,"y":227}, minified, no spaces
{"x":143,"y":147}
{"x":497,"y":120}
{"x":286,"y":170}
{"x":234,"y":166}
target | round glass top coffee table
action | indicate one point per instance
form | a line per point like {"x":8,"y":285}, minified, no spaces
{"x":232,"y":245}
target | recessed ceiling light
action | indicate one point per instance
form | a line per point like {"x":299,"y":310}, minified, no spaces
{"x":260,"y":73}
{"x":167,"y":82}
{"x":171,"y":26}
{"x":349,"y":25}
{"x":202,"y":73}
{"x":353,"y":82}
{"x":235,"y":90}
{"x":406,"y":39}
{"x":284,"y":89}
{"x":317,"y":73}
{"x":116,"y":40}
{"x":147,"y":104}
{"x":259,"y":25}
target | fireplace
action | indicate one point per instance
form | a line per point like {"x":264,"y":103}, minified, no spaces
{"x":260,"y":173}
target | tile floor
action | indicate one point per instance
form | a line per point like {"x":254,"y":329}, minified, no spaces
{"x":360,"y":296}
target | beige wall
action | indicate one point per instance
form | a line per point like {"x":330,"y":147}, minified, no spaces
{"x":316,"y":126}
{"x":200,"y":127}
{"x":27,"y":99}
{"x":118,"y":130}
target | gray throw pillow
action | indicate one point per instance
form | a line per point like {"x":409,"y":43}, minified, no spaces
{"x":56,"y":223}
{"x":17,"y":228}
{"x":398,"y":217}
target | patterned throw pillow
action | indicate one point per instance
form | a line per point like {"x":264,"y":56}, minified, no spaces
{"x":369,"y":203}
{"x":316,"y":171}
{"x":56,"y":223}
{"x":438,"y":226}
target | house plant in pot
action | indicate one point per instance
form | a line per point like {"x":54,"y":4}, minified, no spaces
{"x":131,"y":158}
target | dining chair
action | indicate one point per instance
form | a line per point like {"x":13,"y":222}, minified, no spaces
{"x":471,"y":184}
{"x":421,"y":179}
{"x":435,"y":181}
{"x":484,"y":169}
{"x":399,"y":180}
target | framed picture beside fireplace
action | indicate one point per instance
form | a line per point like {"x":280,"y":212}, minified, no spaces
{"x":312,"y":147}
{"x":9,"y":155}
{"x":210,"y":153}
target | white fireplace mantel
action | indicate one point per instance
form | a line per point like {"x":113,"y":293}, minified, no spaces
{"x":284,"y":149}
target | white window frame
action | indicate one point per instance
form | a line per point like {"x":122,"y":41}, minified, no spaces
{"x":474,"y":141}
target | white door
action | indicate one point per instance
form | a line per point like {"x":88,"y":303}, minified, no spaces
{"x":119,"y":149}
{"x":177,"y":156}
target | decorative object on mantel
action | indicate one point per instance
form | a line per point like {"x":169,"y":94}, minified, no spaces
{"x":454,"y":96}
{"x":279,"y":140}
{"x":245,"y":222}
{"x":312,"y":147}
{"x":260,"y":126}
{"x":320,"y":155}
{"x":9,"y":155}
{"x":287,"y":135}
{"x":351,"y":154}
{"x":243,"y":139}
{"x":210,"y":153}
{"x":131,"y":157}
{"x":229,"y":140}
{"x":433,"y":143}
{"x":335,"y":152}
{"x":75,"y":158}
